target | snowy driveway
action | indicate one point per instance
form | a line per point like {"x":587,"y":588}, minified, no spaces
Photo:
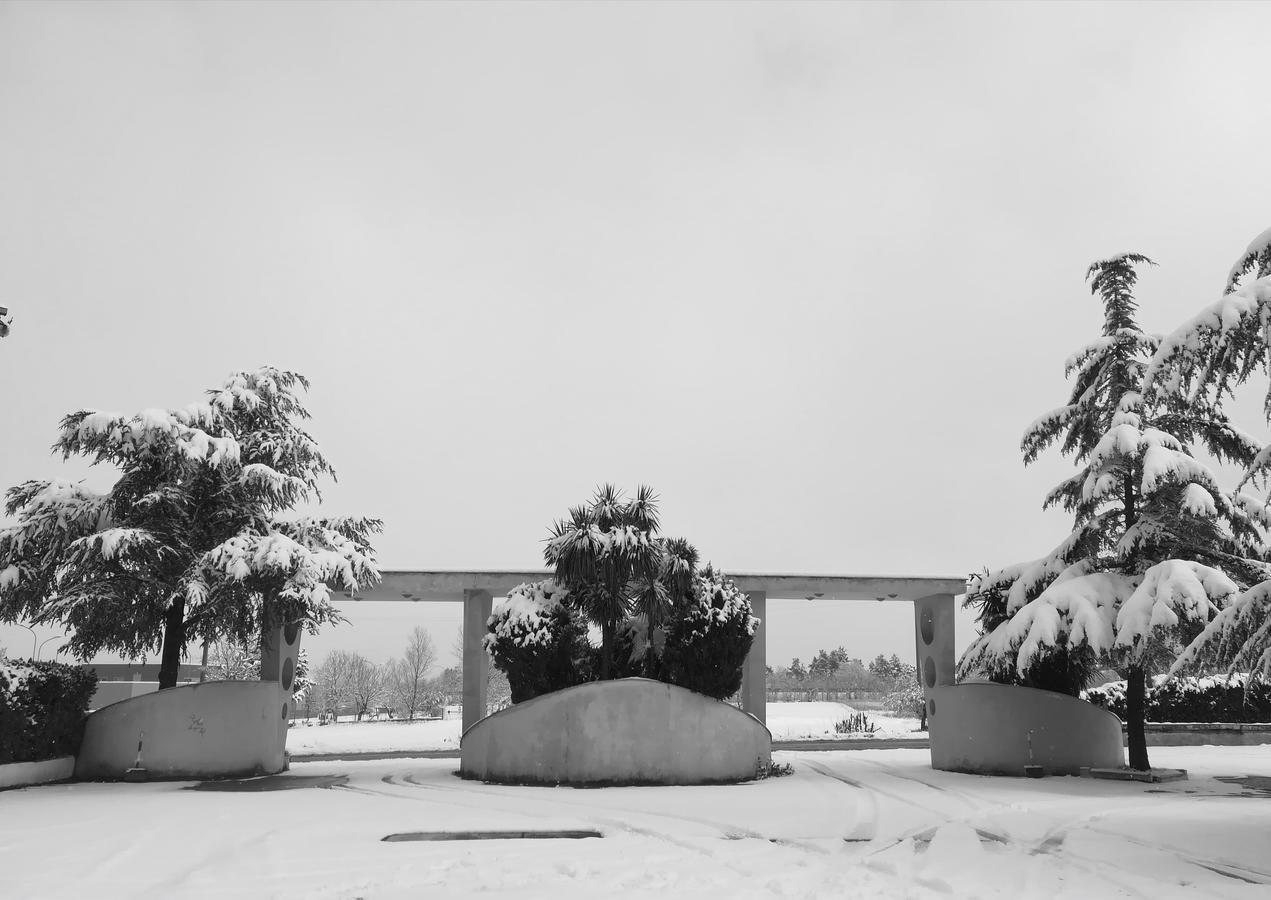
{"x":845,"y":824}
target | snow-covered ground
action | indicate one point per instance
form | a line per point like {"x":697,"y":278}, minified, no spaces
{"x":371,"y":737}
{"x":816,"y":721}
{"x":861,"y":824}
{"x":786,"y":721}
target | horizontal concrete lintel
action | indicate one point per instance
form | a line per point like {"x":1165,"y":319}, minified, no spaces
{"x":847,"y":587}
{"x":449,"y":586}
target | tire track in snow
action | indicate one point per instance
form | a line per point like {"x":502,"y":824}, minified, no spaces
{"x":1105,"y":871}
{"x":726,"y":830}
{"x":589,"y":814}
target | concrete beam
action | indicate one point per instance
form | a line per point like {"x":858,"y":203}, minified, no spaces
{"x":477,"y":606}
{"x":414,"y":586}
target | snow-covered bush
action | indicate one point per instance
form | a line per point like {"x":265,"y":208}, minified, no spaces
{"x":708,"y":639}
{"x":908,"y":701}
{"x":42,"y":708}
{"x":538,"y":640}
{"x":1213,"y":698}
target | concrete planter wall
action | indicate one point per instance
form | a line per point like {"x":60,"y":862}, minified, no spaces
{"x":218,"y":729}
{"x":23,"y":774}
{"x":628,"y":731}
{"x":986,"y":728}
{"x":1198,"y":734}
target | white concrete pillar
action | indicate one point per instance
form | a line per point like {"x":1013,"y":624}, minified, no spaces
{"x":279,"y":657}
{"x":754,"y":675}
{"x":933,"y":639}
{"x":477,"y":606}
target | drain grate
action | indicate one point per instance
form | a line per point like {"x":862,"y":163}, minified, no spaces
{"x":488,"y":835}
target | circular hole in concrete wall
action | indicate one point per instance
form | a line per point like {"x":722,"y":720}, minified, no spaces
{"x":284,"y":711}
{"x":292,"y":631}
{"x":929,"y":672}
{"x":931,"y":708}
{"x":288,"y":673}
{"x":927,"y":626}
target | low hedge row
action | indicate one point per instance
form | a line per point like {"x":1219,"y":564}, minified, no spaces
{"x":42,"y":708}
{"x":1208,"y":699}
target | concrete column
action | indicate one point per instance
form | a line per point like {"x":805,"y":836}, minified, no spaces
{"x":477,"y":606}
{"x":754,"y":687}
{"x":279,"y":658}
{"x":933,"y":639}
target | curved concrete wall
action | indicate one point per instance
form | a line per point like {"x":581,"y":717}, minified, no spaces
{"x":629,"y":731}
{"x":984,"y":729}
{"x":218,"y":729}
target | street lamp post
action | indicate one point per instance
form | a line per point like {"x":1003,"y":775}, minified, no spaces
{"x":34,"y":636}
{"x":56,"y":637}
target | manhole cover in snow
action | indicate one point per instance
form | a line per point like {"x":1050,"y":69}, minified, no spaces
{"x":488,"y":835}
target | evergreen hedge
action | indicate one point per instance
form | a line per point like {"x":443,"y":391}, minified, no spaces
{"x":1208,"y":699}
{"x":42,"y":709}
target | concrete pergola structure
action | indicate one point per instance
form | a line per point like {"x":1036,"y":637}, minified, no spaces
{"x":933,"y":600}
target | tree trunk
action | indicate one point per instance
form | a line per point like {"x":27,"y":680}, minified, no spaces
{"x":606,"y":648}
{"x":173,"y":644}
{"x":1136,"y":715}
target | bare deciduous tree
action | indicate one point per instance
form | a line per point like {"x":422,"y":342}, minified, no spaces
{"x":333,"y":682}
{"x":408,"y":676}
{"x":366,"y":684}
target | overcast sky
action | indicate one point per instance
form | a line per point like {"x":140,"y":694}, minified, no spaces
{"x":807,"y":270}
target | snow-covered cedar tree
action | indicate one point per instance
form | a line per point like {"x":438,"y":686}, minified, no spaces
{"x":1157,"y":548}
{"x":194,"y":540}
{"x":1205,"y":360}
{"x":538,"y":640}
{"x":707,"y":641}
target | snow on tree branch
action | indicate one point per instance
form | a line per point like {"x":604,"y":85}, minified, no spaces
{"x":1218,"y":347}
{"x":1239,"y":637}
{"x":1171,"y":592}
{"x":1256,"y":258}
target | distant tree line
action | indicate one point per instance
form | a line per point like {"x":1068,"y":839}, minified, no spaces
{"x":836,"y":670}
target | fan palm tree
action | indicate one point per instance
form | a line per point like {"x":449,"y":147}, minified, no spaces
{"x":603,"y":552}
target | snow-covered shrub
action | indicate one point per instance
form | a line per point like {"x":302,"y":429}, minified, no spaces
{"x":42,"y":707}
{"x":908,"y":701}
{"x":1214,"y":698}
{"x":856,"y":723}
{"x":538,"y":641}
{"x":708,"y":639}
